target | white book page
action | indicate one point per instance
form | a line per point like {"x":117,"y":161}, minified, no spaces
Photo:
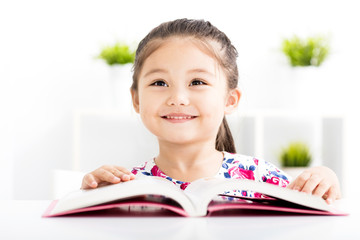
{"x":136,"y":187}
{"x":202,"y":191}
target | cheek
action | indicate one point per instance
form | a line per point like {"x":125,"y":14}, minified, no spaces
{"x":213,"y":112}
{"x":148,"y":106}
{"x":213,"y":103}
{"x":144,"y":108}
{"x":146,"y":118}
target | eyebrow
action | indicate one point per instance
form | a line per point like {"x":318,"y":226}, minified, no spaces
{"x":155,"y":70}
{"x":195,"y":70}
{"x":199,"y":70}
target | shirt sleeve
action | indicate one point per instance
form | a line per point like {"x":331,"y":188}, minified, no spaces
{"x":140,"y":170}
{"x":269,"y":173}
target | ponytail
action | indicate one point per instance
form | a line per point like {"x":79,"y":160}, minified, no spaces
{"x":224,"y":138}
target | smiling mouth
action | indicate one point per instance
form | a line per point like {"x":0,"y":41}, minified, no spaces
{"x":179,"y":117}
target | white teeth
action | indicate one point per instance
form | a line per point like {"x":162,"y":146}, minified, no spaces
{"x":178,"y":117}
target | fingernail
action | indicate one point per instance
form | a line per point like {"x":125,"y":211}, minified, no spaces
{"x":94,"y":184}
{"x":329,"y":201}
{"x":116,"y":179}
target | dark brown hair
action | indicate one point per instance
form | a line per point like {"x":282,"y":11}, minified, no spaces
{"x":206,"y":33}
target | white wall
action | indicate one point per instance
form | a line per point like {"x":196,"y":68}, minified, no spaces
{"x":48,"y":70}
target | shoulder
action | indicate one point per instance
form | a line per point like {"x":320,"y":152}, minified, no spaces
{"x":239,"y":159}
{"x":144,"y":168}
{"x":236,"y":165}
{"x":249,"y":167}
{"x":244,"y":160}
{"x":148,"y":168}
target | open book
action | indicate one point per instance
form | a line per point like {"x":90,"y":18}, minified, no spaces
{"x":202,"y":197}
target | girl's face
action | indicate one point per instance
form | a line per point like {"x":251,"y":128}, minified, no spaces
{"x":182,"y":93}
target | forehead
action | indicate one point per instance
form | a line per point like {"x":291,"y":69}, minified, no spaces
{"x":182,"y":53}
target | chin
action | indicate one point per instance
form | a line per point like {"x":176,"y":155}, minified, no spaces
{"x":179,"y":140}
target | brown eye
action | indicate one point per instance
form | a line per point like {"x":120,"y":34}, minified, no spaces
{"x":159,"y":83}
{"x":197,"y":82}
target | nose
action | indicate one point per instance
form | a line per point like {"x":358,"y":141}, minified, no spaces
{"x":178,"y":97}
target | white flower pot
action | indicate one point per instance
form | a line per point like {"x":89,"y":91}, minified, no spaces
{"x":308,"y":83}
{"x":119,"y":83}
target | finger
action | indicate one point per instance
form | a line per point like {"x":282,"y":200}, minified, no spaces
{"x":331,"y":195}
{"x":124,"y":176}
{"x":321,"y":190}
{"x":311,"y":184}
{"x":106,"y":176}
{"x":122,"y":173}
{"x":109,"y":168}
{"x":125,"y":173}
{"x":123,"y":169}
{"x":89,"y":181}
{"x":338,"y":192}
{"x":132,"y":176}
{"x":300,"y":181}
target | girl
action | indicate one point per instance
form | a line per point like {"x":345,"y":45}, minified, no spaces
{"x":184,"y":83}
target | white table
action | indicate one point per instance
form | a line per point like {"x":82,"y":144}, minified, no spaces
{"x":22,"y":220}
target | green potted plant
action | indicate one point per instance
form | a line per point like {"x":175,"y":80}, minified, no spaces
{"x":311,"y":51}
{"x":120,"y":58}
{"x":119,"y":53}
{"x":295,"y":158}
{"x":307,"y":74}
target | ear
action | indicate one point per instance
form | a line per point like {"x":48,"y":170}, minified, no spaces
{"x":135,"y":100}
{"x":232,"y":101}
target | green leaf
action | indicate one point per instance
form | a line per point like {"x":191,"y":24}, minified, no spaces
{"x":306,"y":52}
{"x":119,"y":53}
{"x":297,"y":154}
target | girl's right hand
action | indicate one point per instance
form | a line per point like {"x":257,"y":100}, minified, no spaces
{"x":106,"y":175}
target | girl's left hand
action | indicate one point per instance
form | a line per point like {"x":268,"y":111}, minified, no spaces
{"x":320,"y":181}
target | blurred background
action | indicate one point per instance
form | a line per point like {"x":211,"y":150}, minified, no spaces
{"x":58,"y":113}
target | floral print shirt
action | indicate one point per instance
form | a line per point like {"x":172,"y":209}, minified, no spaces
{"x":235,"y":166}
